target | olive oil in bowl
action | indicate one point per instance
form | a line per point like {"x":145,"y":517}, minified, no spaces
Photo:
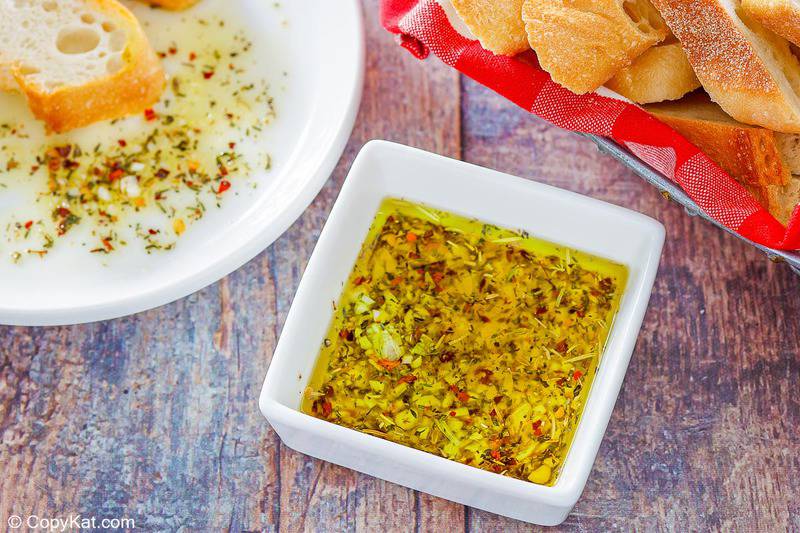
{"x":465,"y":340}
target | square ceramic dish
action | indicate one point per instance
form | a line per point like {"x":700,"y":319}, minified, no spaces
{"x":384,"y":170}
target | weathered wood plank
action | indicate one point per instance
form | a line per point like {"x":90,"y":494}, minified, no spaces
{"x":704,"y":433}
{"x":417,"y":104}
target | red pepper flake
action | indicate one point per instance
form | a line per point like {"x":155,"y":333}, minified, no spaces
{"x":484,"y":318}
{"x":452,"y":413}
{"x":172,"y":50}
{"x":463,"y":397}
{"x":152,"y":231}
{"x":498,"y":399}
{"x":411,"y":236}
{"x":224,"y":185}
{"x":577,"y":375}
{"x":537,"y":424}
{"x":107,"y":244}
{"x":495,"y":455}
{"x":207,"y":74}
{"x":396,"y":281}
{"x":192,"y":56}
{"x":223,"y":170}
{"x":408,"y":378}
{"x":116,"y":174}
{"x":359,"y":280}
{"x":437,"y":277}
{"x":454,"y":389}
{"x":493,"y":412}
{"x":122,"y":143}
{"x":232,"y":145}
{"x":28,"y":224}
{"x":327,"y":408}
{"x":562,"y":346}
{"x":149,"y":114}
{"x":162,"y":173}
{"x":388,"y":364}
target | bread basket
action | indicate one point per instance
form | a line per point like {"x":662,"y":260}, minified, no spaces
{"x":672,"y":192}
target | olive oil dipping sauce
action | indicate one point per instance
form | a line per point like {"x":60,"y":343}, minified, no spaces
{"x":465,"y":340}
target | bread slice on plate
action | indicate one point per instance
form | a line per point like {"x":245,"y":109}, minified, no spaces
{"x":583,"y":43}
{"x":662,"y":73}
{"x":748,"y":70}
{"x":496,"y":24}
{"x":174,"y":5}
{"x":77,"y":61}
{"x":765,"y":162}
{"x":780,"y":16}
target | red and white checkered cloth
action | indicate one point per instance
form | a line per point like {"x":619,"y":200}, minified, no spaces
{"x":423,"y":27}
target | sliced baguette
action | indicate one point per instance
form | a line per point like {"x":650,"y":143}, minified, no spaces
{"x":497,"y":24}
{"x":583,"y":43}
{"x":765,"y":162}
{"x":780,"y":16}
{"x":173,"y":5}
{"x":748,"y":70}
{"x":78,"y":61}
{"x":780,"y":200}
{"x":662,"y":73}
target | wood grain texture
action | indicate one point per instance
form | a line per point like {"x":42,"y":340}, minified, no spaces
{"x":154,"y":417}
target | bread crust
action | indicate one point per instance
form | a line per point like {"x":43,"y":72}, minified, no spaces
{"x":780,"y":16}
{"x":173,"y":5}
{"x":753,"y":85}
{"x":583,"y":43}
{"x":661,"y":73}
{"x":750,"y":154}
{"x":497,"y":24}
{"x":136,"y":86}
{"x":757,"y":158}
{"x":779,"y":200}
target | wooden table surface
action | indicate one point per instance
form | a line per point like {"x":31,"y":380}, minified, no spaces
{"x":154,"y":417}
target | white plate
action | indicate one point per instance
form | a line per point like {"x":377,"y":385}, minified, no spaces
{"x":319,"y":46}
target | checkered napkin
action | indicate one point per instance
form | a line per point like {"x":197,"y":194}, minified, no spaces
{"x":424,"y":26}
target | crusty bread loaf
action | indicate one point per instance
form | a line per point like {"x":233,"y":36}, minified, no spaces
{"x":174,"y":5}
{"x":748,"y":70}
{"x":662,"y":73}
{"x":780,"y":16}
{"x":497,"y":24}
{"x":765,"y":162}
{"x":77,"y":61}
{"x":583,"y":43}
{"x":780,"y":200}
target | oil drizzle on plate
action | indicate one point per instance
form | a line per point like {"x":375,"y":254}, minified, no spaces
{"x":145,"y":179}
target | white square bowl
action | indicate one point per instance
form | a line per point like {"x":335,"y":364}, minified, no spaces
{"x":382,"y":170}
